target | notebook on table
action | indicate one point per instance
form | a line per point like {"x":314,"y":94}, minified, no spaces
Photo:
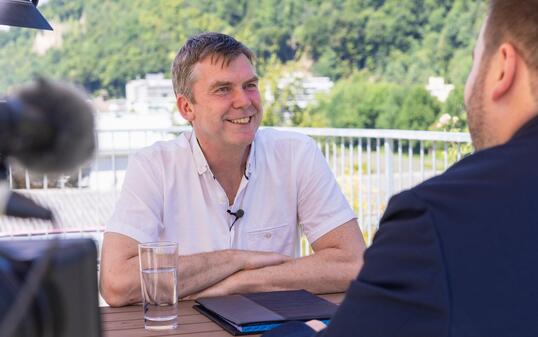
{"x":258,"y":312}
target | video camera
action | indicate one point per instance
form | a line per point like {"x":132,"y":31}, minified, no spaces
{"x":47,"y":287}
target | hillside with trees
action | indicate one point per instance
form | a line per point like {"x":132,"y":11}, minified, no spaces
{"x":380,"y":53}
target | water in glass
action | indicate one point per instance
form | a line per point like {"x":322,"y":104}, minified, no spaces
{"x":159,"y":291}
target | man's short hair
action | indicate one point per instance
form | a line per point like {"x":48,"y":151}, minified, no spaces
{"x":514,"y":21}
{"x":219,"y":47}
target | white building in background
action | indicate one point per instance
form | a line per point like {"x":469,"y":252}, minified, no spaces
{"x":304,"y":88}
{"x":306,"y":85}
{"x":154,"y":93}
{"x":312,"y":86}
{"x":438,"y":88}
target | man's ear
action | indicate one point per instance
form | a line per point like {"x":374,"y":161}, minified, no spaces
{"x":506,"y":67}
{"x":184,"y":106}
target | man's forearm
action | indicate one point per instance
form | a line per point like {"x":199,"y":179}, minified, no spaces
{"x":330,"y":270}
{"x":200,"y":271}
{"x":195,"y":272}
{"x":120,"y":282}
{"x":324,"y":272}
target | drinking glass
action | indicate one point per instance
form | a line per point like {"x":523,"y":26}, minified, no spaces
{"x":158,"y":279}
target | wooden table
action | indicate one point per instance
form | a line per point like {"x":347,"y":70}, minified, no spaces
{"x":129,"y":321}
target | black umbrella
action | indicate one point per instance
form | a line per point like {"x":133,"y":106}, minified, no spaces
{"x":22,"y":13}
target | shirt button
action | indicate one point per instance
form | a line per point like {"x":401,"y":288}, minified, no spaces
{"x":268,"y":235}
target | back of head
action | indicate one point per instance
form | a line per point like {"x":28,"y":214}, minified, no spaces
{"x":219,"y":47}
{"x":516,"y":22}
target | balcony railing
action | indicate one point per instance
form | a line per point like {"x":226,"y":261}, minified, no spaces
{"x":370,"y":166}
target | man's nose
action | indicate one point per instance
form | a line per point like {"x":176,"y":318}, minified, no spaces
{"x":241,"y":99}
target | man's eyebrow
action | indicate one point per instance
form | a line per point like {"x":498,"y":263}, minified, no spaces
{"x":253,"y":79}
{"x":218,"y":84}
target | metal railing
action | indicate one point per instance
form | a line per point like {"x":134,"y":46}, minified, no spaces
{"x":372,"y":165}
{"x":369,"y":165}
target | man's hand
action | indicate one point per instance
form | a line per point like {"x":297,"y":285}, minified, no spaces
{"x":316,"y":325}
{"x":222,"y":288}
{"x":233,"y":283}
{"x":229,"y":286}
{"x":198,"y":277}
{"x":255,"y":260}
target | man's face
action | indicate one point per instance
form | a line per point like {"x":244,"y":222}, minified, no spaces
{"x":474,"y":96}
{"x":228,"y":108}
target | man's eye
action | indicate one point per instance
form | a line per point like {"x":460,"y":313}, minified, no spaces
{"x":252,"y":85}
{"x":222,"y":90}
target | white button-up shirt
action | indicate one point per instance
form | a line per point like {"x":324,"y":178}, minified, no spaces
{"x":169,"y":193}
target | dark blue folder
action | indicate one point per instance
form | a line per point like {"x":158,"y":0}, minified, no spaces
{"x":257,"y":312}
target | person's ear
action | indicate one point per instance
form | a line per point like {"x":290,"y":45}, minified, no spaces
{"x":505,"y":70}
{"x":184,"y":106}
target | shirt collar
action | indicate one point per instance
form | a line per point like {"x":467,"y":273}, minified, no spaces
{"x":201,"y":163}
{"x":251,"y":161}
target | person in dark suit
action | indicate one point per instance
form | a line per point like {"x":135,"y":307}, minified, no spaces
{"x":458,"y":254}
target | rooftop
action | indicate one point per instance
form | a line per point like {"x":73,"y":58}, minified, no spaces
{"x":77,"y":211}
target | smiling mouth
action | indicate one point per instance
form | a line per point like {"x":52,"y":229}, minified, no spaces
{"x":244,"y":120}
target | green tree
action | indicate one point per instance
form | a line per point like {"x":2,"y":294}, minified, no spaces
{"x":375,"y":49}
{"x":419,"y":110}
{"x":358,"y":102}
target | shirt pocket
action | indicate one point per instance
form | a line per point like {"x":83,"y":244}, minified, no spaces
{"x":272,"y":238}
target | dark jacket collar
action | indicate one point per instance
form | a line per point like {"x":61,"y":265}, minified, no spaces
{"x":527,"y":130}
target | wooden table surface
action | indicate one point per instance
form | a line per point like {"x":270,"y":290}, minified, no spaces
{"x":129,"y":321}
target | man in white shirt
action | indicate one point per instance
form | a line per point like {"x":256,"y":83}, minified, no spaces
{"x":235,"y":199}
